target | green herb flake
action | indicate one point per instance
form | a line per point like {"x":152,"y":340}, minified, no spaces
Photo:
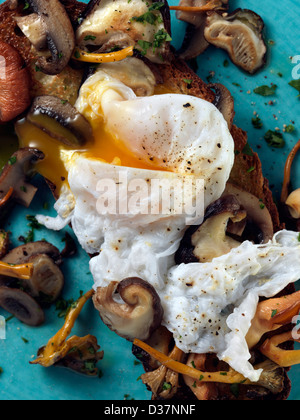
{"x":90,"y":38}
{"x":166,"y":386}
{"x":247,"y":150}
{"x":12,"y":160}
{"x":274,"y":312}
{"x":265,"y":90}
{"x":274,"y":139}
{"x":289,"y":128}
{"x":257,"y":122}
{"x":296,"y":85}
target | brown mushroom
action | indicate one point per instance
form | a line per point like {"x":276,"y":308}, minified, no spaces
{"x":271,"y":315}
{"x":34,"y":29}
{"x":14,"y":185}
{"x":59,"y":32}
{"x":224,"y":102}
{"x":47,"y":280}
{"x":22,"y":306}
{"x":241,"y":35}
{"x":209,"y":240}
{"x":106,"y":25}
{"x":258,"y":215}
{"x":77,"y":353}
{"x":14,"y":83}
{"x":137,"y":315}
{"x":204,"y":391}
{"x":163,"y":382}
{"x":188,"y":11}
{"x":60,"y":120}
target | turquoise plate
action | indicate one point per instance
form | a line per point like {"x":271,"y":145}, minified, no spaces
{"x":22,"y":381}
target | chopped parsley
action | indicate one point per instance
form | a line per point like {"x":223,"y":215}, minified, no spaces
{"x":149,"y":16}
{"x":265,"y":90}
{"x":257,"y":122}
{"x":274,"y":312}
{"x":12,"y":160}
{"x":90,"y":38}
{"x":296,"y":85}
{"x":274,"y":139}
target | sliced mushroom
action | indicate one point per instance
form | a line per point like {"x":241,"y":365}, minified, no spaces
{"x":14,"y":185}
{"x":14,"y":83}
{"x":121,"y":24}
{"x":138,"y":313}
{"x":24,"y":252}
{"x":60,"y":120}
{"x":241,"y":35}
{"x":257,"y":215}
{"x":22,"y":306}
{"x":224,"y":102}
{"x":47,"y":280}
{"x":194,"y":42}
{"x":60,"y":35}
{"x":209,"y":240}
{"x":34,"y":29}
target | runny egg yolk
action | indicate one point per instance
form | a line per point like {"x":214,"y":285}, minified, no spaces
{"x":53,"y":168}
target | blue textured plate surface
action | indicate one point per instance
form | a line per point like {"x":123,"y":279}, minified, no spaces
{"x":21,"y":381}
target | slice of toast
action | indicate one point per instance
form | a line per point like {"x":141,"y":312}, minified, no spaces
{"x":174,"y":76}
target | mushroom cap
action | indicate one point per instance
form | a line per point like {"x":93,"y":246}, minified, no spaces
{"x":137,"y":313}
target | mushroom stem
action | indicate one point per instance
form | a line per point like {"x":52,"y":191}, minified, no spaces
{"x":112,"y":57}
{"x":268,"y":378}
{"x":212,"y":5}
{"x":22,"y":271}
{"x":6,"y":198}
{"x":283,"y":358}
{"x":287,"y":172}
{"x":57,"y":344}
{"x":272,"y":314}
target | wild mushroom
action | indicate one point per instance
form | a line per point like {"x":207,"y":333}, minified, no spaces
{"x":77,"y":353}
{"x":284,"y":358}
{"x":194,"y":13}
{"x":14,"y":185}
{"x":204,"y":391}
{"x":106,"y":25}
{"x":271,"y":315}
{"x":257,"y":214}
{"x":60,"y":120}
{"x":209,"y":240}
{"x":224,"y":102}
{"x":241,"y":35}
{"x":55,"y":22}
{"x":34,"y":29}
{"x":271,"y":377}
{"x":163,"y":382}
{"x":46,"y":281}
{"x":14,"y":83}
{"x":22,"y":306}
{"x":137,"y":315}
